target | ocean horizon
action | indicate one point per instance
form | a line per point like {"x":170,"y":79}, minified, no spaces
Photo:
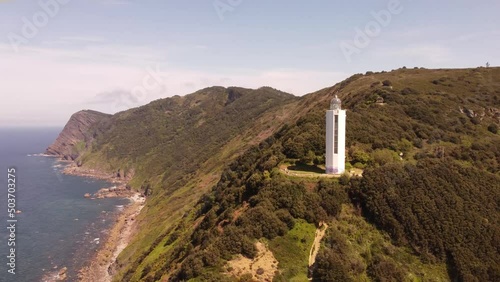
{"x":56,"y":226}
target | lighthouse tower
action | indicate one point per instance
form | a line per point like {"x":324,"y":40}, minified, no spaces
{"x":335,"y":138}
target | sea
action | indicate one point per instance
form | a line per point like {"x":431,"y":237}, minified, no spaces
{"x":56,"y":226}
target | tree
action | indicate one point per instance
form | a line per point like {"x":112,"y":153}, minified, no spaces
{"x":308,"y":158}
{"x":330,"y":266}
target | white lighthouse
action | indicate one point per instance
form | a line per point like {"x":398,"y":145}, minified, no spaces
{"x":335,"y":138}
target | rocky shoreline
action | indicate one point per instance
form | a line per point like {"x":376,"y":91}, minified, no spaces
{"x":100,"y":267}
{"x":73,"y":169}
{"x":115,"y":191}
{"x":119,"y":190}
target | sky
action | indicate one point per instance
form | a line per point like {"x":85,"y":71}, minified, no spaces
{"x":61,"y":56}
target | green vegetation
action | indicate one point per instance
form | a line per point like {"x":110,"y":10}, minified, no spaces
{"x":292,"y":251}
{"x":79,"y":148}
{"x":426,"y":208}
{"x":274,"y":203}
{"x":355,"y":250}
{"x":174,"y":149}
{"x":445,"y":212}
{"x":170,"y":138}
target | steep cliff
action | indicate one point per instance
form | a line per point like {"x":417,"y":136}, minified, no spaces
{"x":76,"y":134}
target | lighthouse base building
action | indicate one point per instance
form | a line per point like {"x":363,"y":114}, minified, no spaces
{"x":335,"y":138}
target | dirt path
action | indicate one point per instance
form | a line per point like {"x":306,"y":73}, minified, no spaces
{"x":320,"y":233}
{"x":306,"y":174}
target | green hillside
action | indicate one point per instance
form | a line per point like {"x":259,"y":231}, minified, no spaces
{"x":160,"y":142}
{"x":426,"y":208}
{"x":174,"y":149}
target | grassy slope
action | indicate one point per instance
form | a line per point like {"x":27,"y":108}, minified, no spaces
{"x":222,"y":135}
{"x":427,"y":115}
{"x":292,"y":251}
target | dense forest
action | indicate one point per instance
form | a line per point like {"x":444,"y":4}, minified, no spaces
{"x":426,"y":207}
{"x":444,"y":211}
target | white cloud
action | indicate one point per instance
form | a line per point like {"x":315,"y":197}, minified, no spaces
{"x":44,"y":86}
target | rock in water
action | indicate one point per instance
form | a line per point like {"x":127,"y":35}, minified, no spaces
{"x":62,"y":275}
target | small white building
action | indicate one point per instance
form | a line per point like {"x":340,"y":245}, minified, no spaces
{"x":335,"y":137}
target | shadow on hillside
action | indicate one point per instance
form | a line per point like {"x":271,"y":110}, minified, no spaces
{"x":305,"y":167}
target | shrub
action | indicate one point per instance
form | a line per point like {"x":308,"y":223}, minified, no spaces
{"x":386,"y":83}
{"x":385,"y":270}
{"x":308,"y":158}
{"x":384,"y":156}
{"x":191,"y":268}
{"x":344,"y":178}
{"x":359,"y":156}
{"x":330,"y":266}
{"x":359,"y":165}
{"x":417,"y":142}
{"x":475,"y":120}
{"x":261,"y":222}
{"x":332,"y":196}
{"x":285,"y":216}
{"x":405,"y":146}
{"x":493,"y":128}
{"x":319,"y":160}
{"x":247,"y":277}
{"x":408,"y":90}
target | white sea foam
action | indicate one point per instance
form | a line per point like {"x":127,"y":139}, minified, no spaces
{"x":41,"y":155}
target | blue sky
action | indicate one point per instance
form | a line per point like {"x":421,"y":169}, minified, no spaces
{"x":110,"y":55}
